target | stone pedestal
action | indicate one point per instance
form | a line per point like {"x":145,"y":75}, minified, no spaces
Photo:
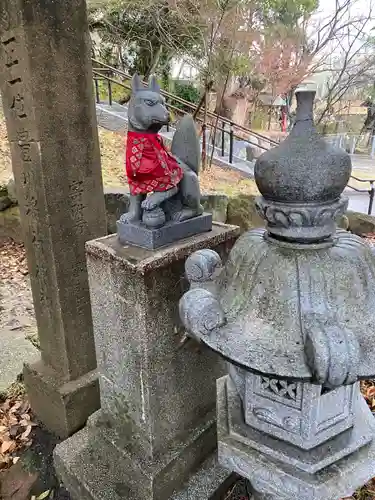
{"x":157,"y":424}
{"x":139,"y":235}
{"x":48,"y":103}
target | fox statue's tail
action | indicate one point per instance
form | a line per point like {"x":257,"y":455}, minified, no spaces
{"x":185,"y":144}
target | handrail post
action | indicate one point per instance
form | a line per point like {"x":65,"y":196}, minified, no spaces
{"x":204,"y":146}
{"x":97,"y":93}
{"x":109,"y":92}
{"x":223,"y":139}
{"x":373,"y":147}
{"x":231,"y":143}
{"x":371,"y":193}
{"x":167,"y":106}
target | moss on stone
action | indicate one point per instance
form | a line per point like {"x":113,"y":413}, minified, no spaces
{"x":361,"y":223}
{"x":242,"y":212}
{"x":3,"y":190}
{"x":217,"y":205}
{"x":33,"y":337}
{"x":10,"y":224}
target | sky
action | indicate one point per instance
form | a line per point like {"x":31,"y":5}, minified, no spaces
{"x":326,"y":10}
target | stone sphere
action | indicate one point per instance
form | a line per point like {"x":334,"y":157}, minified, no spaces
{"x":154,"y":218}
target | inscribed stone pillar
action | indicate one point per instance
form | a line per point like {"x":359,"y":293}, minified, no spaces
{"x":49,"y":109}
{"x":157,"y":423}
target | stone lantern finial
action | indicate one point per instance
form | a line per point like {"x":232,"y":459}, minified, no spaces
{"x":292,"y":312}
{"x":302,"y":181}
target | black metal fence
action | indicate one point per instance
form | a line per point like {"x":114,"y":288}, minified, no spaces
{"x":370,"y":191}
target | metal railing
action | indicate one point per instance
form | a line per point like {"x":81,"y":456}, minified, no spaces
{"x":223,"y":132}
{"x":371,"y":191}
{"x":354,"y":143}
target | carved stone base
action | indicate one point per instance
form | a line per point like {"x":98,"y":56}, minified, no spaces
{"x":139,"y":235}
{"x":62,"y":407}
{"x":282,"y":471}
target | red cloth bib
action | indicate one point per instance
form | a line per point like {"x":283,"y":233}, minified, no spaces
{"x":149,"y":166}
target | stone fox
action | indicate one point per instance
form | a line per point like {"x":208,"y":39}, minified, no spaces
{"x":163,"y":185}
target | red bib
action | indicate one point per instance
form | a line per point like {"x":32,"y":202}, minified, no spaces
{"x":149,"y":166}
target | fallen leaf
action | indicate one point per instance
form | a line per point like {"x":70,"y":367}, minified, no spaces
{"x":14,"y":430}
{"x":24,"y":408}
{"x":43,"y":495}
{"x":25,"y":434}
{"x":13,"y":420}
{"x":16,"y":406}
{"x":6,"y":446}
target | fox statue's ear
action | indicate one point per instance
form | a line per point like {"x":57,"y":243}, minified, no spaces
{"x":153,"y":84}
{"x":136,"y":83}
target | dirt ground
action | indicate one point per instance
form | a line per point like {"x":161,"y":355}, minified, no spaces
{"x":16,"y":305}
{"x":5,"y":163}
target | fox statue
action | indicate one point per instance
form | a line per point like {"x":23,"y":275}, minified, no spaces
{"x":164,"y":185}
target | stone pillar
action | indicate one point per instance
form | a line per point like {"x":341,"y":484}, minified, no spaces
{"x":49,"y":109}
{"x":157,"y":424}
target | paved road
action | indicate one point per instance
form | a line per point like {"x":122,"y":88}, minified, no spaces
{"x":358,"y":202}
{"x":364,"y":164}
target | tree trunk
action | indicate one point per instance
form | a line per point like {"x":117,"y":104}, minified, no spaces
{"x":121,"y":59}
{"x":154,"y":63}
{"x":203,"y":99}
{"x":269,"y":118}
{"x":204,"y":135}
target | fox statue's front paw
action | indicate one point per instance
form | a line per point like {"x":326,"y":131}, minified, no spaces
{"x":130,"y":217}
{"x":150,"y":203}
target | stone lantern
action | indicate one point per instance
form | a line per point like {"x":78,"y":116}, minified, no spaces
{"x":293,"y":313}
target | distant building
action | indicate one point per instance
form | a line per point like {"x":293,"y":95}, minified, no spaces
{"x":183,"y":71}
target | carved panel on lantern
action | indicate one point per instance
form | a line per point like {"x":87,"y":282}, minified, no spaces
{"x":287,"y":392}
{"x":296,"y":412}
